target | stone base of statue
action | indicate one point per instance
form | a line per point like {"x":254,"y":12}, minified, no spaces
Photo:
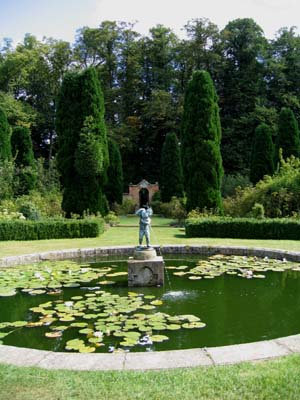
{"x":145,"y":268}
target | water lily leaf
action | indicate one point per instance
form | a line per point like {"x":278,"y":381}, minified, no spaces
{"x":189,"y":317}
{"x":117,"y":274}
{"x":77,"y":298}
{"x":53,"y":335}
{"x":7,"y":291}
{"x":79,"y":324}
{"x":195,"y":277}
{"x":107,"y":282}
{"x":34,"y":324}
{"x":156,"y":302}
{"x":86,"y":331}
{"x":90,"y":316}
{"x":147,"y":307}
{"x":72,"y":285}
{"x":158,"y":338}
{"x":173,"y":327}
{"x":181,"y":273}
{"x":74,"y":344}
{"x":259,"y":276}
{"x":94,"y":340}
{"x":18,"y":324}
{"x":192,"y":325}
{"x":4,"y":334}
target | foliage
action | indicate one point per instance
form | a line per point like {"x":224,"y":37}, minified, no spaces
{"x":241,"y":88}
{"x":231,"y":182}
{"x":200,"y":140}
{"x":6,"y":179}
{"x":83,"y":152}
{"x":262,"y":157}
{"x":5,"y":134}
{"x":112,"y":219}
{"x":127,"y":207}
{"x":288,"y":135}
{"x":22,"y":152}
{"x":114,"y":185}
{"x":171,"y":178}
{"x":49,"y":229}
{"x":279,"y":194}
{"x":174,"y":209}
{"x":6,"y":215}
{"x":244,"y":228}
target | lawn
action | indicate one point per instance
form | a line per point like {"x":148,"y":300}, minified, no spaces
{"x":277,"y":379}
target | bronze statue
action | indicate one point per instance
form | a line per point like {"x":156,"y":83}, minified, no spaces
{"x":144,"y":213}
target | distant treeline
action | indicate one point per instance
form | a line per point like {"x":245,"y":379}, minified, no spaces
{"x":144,"y":79}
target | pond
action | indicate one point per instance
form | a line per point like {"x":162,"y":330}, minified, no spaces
{"x":216,"y":301}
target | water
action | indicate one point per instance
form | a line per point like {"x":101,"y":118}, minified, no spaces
{"x":235,"y":310}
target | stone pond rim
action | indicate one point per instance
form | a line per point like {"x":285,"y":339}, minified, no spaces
{"x":261,"y":350}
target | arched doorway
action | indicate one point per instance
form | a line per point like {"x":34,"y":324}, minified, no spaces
{"x":144,"y":197}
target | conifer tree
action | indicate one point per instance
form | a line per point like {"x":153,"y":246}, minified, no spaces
{"x":114,"y":186}
{"x":288,"y":135}
{"x":171,"y":178}
{"x":22,"y":152}
{"x":262,"y":157}
{"x":5,"y":134}
{"x":200,"y":140}
{"x":82,"y":143}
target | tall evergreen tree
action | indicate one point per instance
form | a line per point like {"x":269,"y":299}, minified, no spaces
{"x":82,"y":143}
{"x":262,"y":157}
{"x":171,"y":178}
{"x":22,"y":152}
{"x":5,"y":133}
{"x":201,"y":137}
{"x":114,"y":186}
{"x":288,"y":135}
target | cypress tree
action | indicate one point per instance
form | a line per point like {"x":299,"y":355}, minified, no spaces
{"x":171,"y":178}
{"x":5,"y":133}
{"x":288,"y":135}
{"x":114,"y":186}
{"x":201,"y":137}
{"x":22,"y":152}
{"x":82,"y":143}
{"x":262,"y":154}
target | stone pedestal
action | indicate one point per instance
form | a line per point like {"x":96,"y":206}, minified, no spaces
{"x":145,"y":268}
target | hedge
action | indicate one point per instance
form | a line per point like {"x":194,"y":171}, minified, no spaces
{"x":50,"y":229}
{"x":243,"y":228}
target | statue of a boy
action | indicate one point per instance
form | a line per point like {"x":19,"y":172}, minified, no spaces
{"x":144,"y":213}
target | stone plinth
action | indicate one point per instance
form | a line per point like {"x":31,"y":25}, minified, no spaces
{"x":145,"y":268}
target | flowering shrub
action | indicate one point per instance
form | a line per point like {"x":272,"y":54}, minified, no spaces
{"x":9,"y":215}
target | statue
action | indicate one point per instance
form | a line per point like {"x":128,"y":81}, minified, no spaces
{"x":144,"y":213}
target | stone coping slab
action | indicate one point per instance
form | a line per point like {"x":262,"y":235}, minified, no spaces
{"x":96,"y":253}
{"x":256,"y":351}
{"x":211,"y":356}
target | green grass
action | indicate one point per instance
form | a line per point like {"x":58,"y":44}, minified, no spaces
{"x":161,"y":234}
{"x":277,"y":379}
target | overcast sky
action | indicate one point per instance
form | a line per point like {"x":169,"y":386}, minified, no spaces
{"x":60,"y":18}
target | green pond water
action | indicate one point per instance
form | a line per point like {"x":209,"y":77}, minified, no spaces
{"x":235,"y":310}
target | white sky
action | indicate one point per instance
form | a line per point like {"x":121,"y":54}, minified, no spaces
{"x":60,"y":18}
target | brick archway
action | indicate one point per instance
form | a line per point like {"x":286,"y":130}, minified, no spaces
{"x":142,"y":187}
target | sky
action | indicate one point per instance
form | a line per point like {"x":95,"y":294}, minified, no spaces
{"x":61,"y":18}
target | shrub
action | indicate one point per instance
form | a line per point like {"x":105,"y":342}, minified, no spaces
{"x":111,"y":218}
{"x":174,"y":209}
{"x":50,"y":229}
{"x":127,"y":207}
{"x":231,"y":182}
{"x":279,"y":194}
{"x":244,"y":228}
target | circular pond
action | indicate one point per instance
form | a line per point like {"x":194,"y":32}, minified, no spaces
{"x":206,"y":302}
